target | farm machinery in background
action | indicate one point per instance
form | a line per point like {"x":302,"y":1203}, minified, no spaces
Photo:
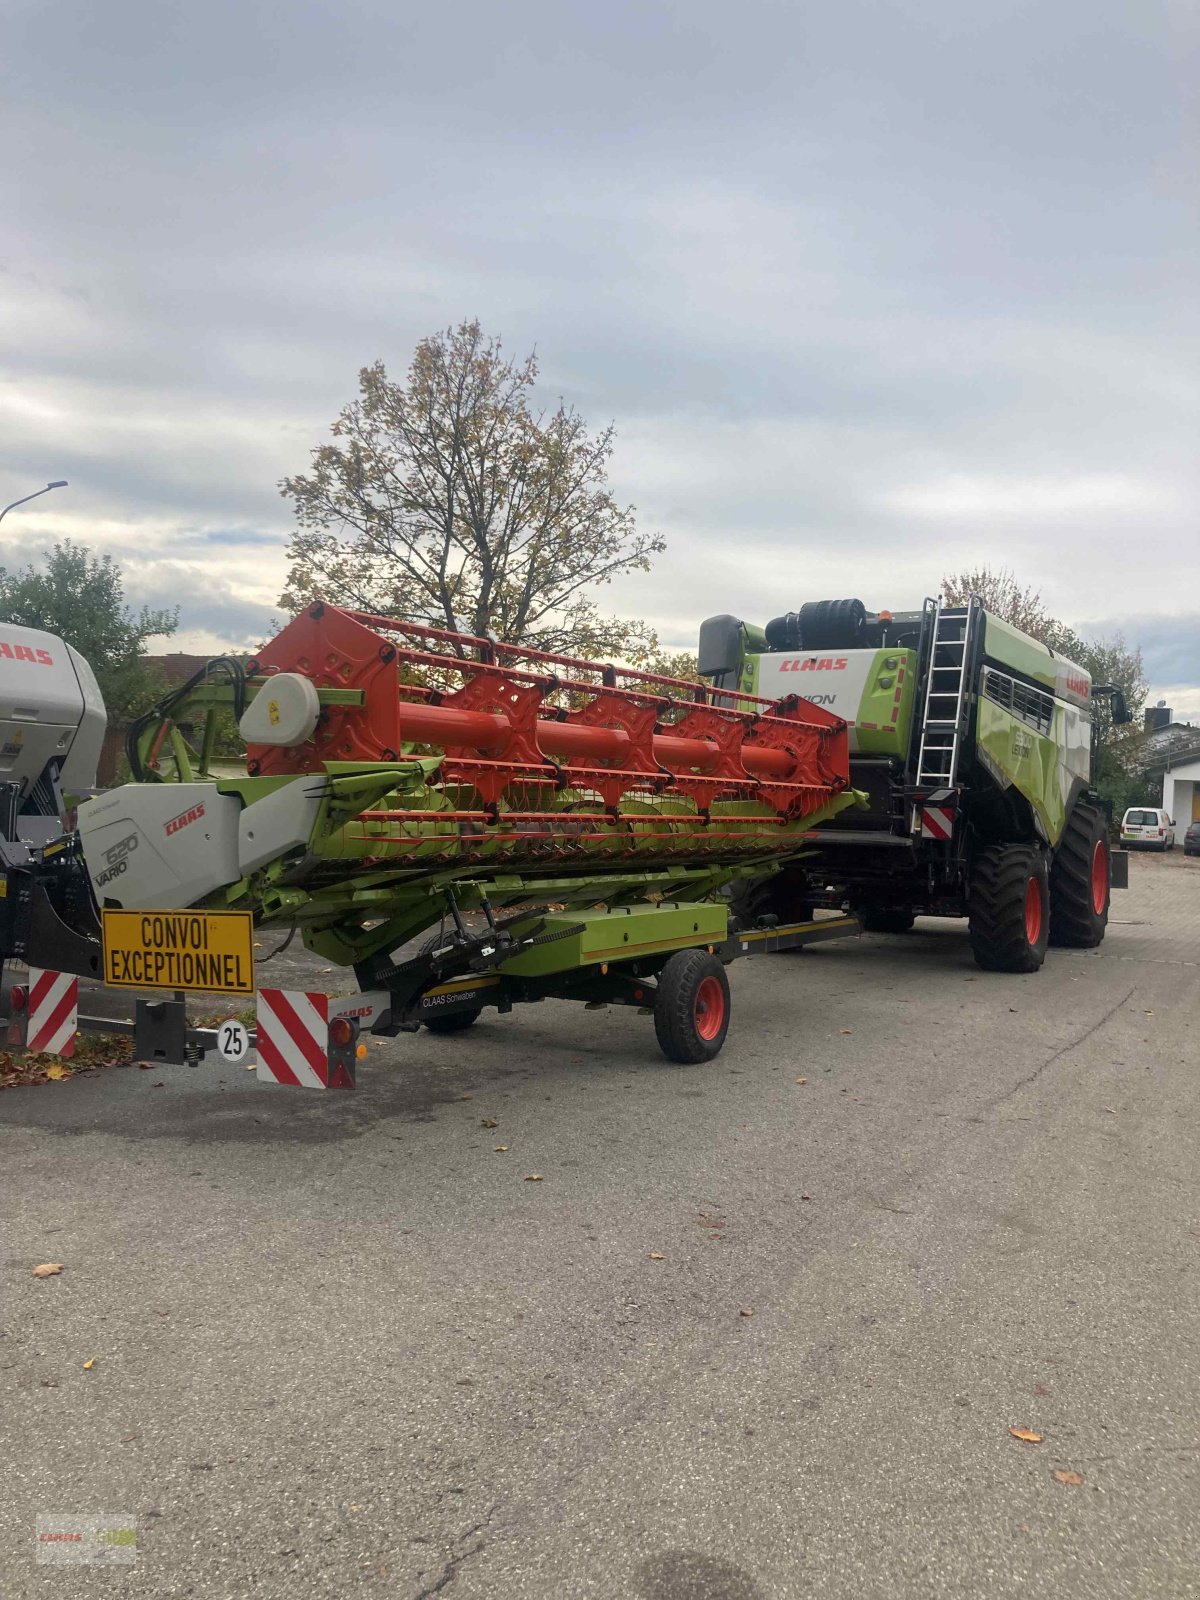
{"x":973,"y":744}
{"x":565,"y":829}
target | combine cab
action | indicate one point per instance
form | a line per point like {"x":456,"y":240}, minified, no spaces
{"x":972,"y":743}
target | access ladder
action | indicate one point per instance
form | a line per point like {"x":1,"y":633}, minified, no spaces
{"x":947,"y":690}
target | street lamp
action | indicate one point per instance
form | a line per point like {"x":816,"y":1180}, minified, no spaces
{"x":59,"y":483}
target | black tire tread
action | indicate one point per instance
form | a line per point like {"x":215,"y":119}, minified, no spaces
{"x":1073,"y":920}
{"x":777,"y":896}
{"x":999,"y":877}
{"x":453,"y":1021}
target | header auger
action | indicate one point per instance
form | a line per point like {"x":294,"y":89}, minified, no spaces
{"x":554,"y":726}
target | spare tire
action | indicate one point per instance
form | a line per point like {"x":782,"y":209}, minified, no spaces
{"x":833,"y":625}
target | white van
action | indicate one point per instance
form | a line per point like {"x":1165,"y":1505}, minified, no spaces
{"x":1142,"y":825}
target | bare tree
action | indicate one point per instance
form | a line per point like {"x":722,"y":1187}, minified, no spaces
{"x":447,"y":498}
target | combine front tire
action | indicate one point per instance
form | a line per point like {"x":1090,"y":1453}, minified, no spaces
{"x":781,"y":896}
{"x":691,"y":1007}
{"x":1079,"y":881}
{"x":1009,"y":908}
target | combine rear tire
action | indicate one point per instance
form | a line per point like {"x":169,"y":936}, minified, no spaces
{"x":1079,"y":878}
{"x":886,"y":919}
{"x":1009,"y":908}
{"x":691,"y":1007}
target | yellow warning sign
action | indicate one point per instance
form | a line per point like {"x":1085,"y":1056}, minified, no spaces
{"x":207,"y":951}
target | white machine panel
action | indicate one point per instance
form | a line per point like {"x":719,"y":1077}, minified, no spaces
{"x":50,"y":709}
{"x":835,"y":679}
{"x":158,"y":846}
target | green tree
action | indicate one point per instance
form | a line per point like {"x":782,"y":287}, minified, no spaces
{"x":1118,"y":746}
{"x":447,"y":499}
{"x":81,"y":598}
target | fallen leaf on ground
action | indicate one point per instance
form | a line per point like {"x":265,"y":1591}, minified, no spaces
{"x":657,"y":1255}
{"x":56,"y":1072}
{"x":1040,"y":1390}
{"x":1026,"y":1435}
{"x":89,"y":1363}
{"x":48,"y":1269}
{"x":1072,"y":1478}
{"x":533,"y":1177}
{"x":489,"y":1122}
{"x":500,"y":1149}
{"x":801,"y":1080}
{"x":746,"y":1311}
{"x":847,"y":1030}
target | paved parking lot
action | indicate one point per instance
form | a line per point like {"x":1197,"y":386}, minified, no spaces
{"x":342,"y":1345}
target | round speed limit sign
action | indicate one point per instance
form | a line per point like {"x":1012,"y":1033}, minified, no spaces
{"x":233,"y":1040}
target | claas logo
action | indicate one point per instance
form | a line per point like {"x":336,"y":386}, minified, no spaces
{"x":24,"y":652}
{"x":814,"y":664}
{"x":192,"y":814}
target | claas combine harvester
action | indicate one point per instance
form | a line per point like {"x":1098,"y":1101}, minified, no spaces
{"x":556,"y":828}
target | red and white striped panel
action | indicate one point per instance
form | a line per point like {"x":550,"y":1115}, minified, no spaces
{"x":53,"y":1012}
{"x":293,"y":1038}
{"x":937,"y":822}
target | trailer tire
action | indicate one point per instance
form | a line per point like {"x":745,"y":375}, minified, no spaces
{"x":1009,"y":908}
{"x":453,"y":1021}
{"x":886,"y":919}
{"x":1079,"y":880}
{"x":691,"y":1007}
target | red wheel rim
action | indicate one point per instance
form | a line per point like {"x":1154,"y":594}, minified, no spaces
{"x":1099,"y":877}
{"x":710,"y":1008}
{"x":1033,"y":910}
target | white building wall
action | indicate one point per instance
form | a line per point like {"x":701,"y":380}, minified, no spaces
{"x":1181,"y":786}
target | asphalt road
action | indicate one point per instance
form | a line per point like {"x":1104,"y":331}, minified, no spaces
{"x":342,"y":1346}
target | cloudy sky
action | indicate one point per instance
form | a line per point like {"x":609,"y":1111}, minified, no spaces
{"x":871,"y":290}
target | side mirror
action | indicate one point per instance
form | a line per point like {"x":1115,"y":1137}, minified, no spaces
{"x":720,"y":647}
{"x":1114,"y":693}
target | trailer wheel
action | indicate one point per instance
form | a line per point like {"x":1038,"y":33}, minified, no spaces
{"x":453,"y":1021}
{"x":886,"y":919}
{"x":1009,"y":908}
{"x":691,"y":1007}
{"x":1079,"y":881}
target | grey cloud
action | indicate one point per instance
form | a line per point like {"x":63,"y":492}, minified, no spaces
{"x":871,"y":292}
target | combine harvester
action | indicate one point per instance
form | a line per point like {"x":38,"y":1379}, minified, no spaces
{"x":566,"y":829}
{"x":974,"y":747}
